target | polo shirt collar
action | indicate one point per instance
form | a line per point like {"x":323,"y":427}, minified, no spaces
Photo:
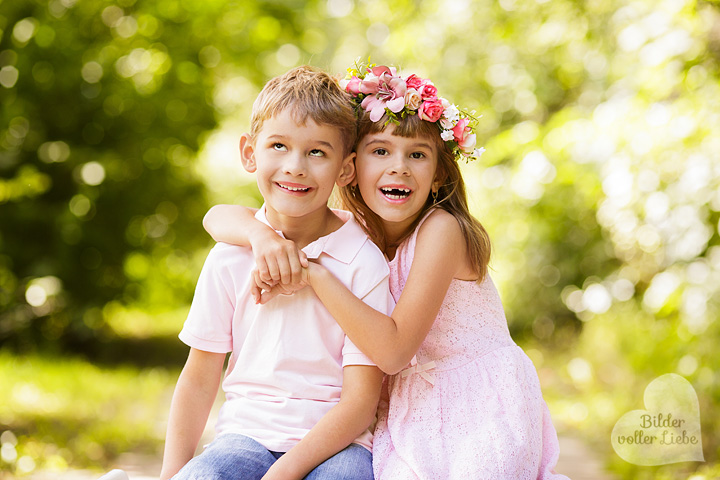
{"x":343,"y":244}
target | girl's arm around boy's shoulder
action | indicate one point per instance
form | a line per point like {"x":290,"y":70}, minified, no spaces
{"x":278,"y":260}
{"x":345,"y":422}
{"x":391,"y":341}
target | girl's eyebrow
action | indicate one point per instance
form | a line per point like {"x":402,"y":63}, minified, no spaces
{"x":422,"y":145}
{"x":378,"y":141}
{"x":385,"y":142}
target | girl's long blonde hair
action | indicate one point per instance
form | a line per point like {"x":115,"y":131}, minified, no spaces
{"x":451,"y":196}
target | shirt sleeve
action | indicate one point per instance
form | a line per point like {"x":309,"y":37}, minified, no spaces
{"x":208,"y":326}
{"x":381,"y":300}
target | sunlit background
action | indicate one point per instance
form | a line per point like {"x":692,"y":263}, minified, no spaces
{"x":600,"y":188}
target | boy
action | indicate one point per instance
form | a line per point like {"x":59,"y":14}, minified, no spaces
{"x":298,"y":392}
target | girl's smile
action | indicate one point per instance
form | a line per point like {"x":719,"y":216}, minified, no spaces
{"x":395,"y":175}
{"x":396,"y":193}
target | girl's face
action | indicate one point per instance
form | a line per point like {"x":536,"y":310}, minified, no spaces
{"x":395,"y":176}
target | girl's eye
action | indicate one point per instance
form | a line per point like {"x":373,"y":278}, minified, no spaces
{"x":380,"y":151}
{"x":316,"y":152}
{"x":279,"y":147}
{"x":417,"y":155}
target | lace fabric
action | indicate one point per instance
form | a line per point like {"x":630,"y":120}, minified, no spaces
{"x":482,"y":416}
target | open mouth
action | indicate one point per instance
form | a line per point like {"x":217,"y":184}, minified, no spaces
{"x":395,"y":193}
{"x":293,"y":188}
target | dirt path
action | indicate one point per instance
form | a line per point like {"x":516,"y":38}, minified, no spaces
{"x":577,"y":461}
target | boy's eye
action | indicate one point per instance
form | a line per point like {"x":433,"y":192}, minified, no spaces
{"x":380,"y":151}
{"x":279,"y":147}
{"x":316,"y":152}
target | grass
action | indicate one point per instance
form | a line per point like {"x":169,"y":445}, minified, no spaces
{"x":60,"y":412}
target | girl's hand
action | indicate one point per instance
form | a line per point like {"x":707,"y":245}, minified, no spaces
{"x":278,"y":260}
{"x":263,"y":291}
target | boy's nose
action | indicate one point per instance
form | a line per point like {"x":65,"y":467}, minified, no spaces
{"x":295,"y":165}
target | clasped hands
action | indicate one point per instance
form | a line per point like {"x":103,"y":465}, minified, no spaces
{"x":281,"y":269}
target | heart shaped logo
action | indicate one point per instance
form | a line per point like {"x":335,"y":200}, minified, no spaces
{"x":668,"y":431}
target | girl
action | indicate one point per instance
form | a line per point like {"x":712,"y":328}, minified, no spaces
{"x":464,"y":400}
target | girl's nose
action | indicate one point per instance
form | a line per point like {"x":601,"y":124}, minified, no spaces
{"x":398,"y":165}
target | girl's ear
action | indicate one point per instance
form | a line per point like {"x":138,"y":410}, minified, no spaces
{"x":347,"y":171}
{"x":247,"y":153}
{"x":440,"y":178}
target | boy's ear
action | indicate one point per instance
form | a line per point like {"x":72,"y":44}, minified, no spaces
{"x":347,"y":171}
{"x":247,"y":153}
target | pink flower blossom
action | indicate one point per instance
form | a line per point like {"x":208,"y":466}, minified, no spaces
{"x":353,"y":85}
{"x":428,"y":91}
{"x":464,"y":136}
{"x":413,"y":81}
{"x":382,"y":69}
{"x":468,"y":144}
{"x":461,"y":129}
{"x":384,"y":91}
{"x":431,"y":110}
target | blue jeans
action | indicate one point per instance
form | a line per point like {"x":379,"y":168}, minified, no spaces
{"x":233,"y":456}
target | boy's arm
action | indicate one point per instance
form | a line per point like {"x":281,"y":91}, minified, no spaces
{"x":338,"y":428}
{"x":278,"y":260}
{"x":194,"y":395}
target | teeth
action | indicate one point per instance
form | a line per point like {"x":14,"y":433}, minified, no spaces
{"x":294,"y":189}
{"x":396,"y":193}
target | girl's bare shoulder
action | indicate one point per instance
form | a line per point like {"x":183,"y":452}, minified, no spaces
{"x":441,"y":225}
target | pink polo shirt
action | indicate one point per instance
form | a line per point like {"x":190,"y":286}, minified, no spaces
{"x":286,"y":367}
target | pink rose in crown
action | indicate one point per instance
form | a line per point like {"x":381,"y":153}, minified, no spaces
{"x":413,"y":81}
{"x":431,"y":110}
{"x":463,"y":136}
{"x":468,"y":144}
{"x":384,"y":91}
{"x":428,"y":91}
{"x":461,"y":129}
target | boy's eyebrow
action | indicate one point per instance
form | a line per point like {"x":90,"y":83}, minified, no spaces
{"x":321,"y":142}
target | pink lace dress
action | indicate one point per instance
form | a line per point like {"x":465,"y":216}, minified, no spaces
{"x":469,"y":406}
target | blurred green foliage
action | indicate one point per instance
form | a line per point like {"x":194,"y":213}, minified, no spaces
{"x":600,"y":187}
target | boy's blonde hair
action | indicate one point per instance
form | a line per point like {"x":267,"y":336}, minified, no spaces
{"x":307,"y":92}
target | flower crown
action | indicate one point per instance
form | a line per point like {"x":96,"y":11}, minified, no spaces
{"x":380,"y":91}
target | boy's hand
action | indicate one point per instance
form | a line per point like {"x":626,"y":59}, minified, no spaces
{"x":263,"y":291}
{"x":278,"y":260}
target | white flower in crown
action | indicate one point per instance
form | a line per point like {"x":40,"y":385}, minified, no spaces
{"x":447,"y":135}
{"x":452,"y":113}
{"x":412,"y":99}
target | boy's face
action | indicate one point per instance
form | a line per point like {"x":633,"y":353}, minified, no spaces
{"x":297,"y":165}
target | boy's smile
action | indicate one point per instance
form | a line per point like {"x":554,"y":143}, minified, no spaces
{"x":297,"y":167}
